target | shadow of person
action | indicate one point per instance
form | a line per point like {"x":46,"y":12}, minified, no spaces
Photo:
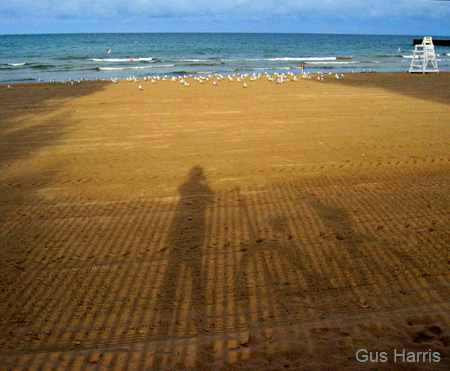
{"x":188,"y":226}
{"x":181,"y":303}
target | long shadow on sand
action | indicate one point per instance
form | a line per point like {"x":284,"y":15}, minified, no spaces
{"x":196,"y":283}
{"x":32,"y":118}
{"x":184,"y":284}
{"x":307,"y":259}
{"x":428,"y":87}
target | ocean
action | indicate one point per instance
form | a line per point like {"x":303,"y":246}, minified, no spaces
{"x":60,"y":57}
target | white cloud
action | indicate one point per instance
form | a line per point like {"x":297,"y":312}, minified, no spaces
{"x":262,"y":8}
{"x":344,"y":11}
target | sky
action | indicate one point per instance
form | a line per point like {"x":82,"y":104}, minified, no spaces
{"x":395,"y":17}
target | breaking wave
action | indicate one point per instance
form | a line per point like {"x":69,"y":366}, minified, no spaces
{"x":133,"y":68}
{"x":121,"y":60}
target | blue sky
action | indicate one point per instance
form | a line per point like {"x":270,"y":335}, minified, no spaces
{"x":411,"y":17}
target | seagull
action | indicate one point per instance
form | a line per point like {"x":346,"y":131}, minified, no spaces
{"x":9,"y":87}
{"x":246,"y":85}
{"x":186,"y":84}
{"x":140,"y":87}
{"x":215,"y":83}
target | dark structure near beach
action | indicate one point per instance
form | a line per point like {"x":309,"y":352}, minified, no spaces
{"x":436,"y":42}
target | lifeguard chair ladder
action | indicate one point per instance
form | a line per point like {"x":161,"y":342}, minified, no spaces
{"x":424,"y":55}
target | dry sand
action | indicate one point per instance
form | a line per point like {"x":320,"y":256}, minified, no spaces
{"x":274,"y":227}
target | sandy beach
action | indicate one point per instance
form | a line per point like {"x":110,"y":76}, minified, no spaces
{"x":273,"y":227}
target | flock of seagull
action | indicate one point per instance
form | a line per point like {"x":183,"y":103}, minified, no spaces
{"x":240,"y":78}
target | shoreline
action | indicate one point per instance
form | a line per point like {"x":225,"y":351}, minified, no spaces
{"x":234,"y":74}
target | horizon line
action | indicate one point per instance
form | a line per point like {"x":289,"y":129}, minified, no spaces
{"x":212,"y":32}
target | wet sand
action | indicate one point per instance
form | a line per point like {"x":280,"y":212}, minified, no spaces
{"x":273,"y":227}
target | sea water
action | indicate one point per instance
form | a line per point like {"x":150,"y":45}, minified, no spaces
{"x":60,"y":57}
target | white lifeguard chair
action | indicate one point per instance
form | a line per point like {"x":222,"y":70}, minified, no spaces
{"x":424,"y":58}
